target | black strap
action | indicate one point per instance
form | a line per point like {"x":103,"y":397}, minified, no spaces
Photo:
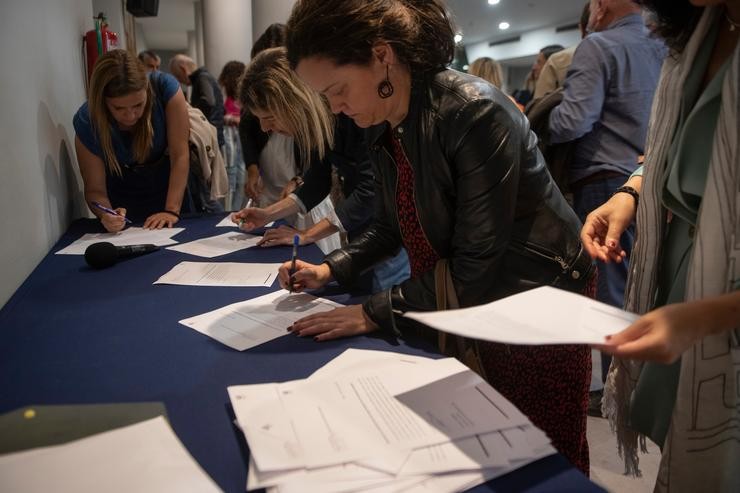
{"x":635,"y":194}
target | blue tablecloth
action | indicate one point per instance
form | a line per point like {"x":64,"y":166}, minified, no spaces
{"x":73,"y":335}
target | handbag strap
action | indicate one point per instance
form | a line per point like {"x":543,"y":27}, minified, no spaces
{"x":465,"y":350}
{"x":444,"y":288}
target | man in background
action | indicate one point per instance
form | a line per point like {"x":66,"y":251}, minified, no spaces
{"x":150,"y":60}
{"x":556,"y":67}
{"x":525,"y":96}
{"x":608,"y":93}
{"x":205,"y":92}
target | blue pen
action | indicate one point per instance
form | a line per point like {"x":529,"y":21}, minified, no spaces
{"x":111,"y":211}
{"x":296,"y":242}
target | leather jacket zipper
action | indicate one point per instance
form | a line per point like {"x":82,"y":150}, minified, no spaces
{"x":547,"y":256}
{"x":398,"y":220}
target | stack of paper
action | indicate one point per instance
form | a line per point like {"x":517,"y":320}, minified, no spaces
{"x":146,"y":456}
{"x":129,"y":236}
{"x":249,"y":323}
{"x":373,"y":421}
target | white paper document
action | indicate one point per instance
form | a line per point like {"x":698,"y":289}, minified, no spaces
{"x":228,"y":223}
{"x":221,"y":274}
{"x":129,"y":236}
{"x":144,"y":457}
{"x":216,"y":246}
{"x":250,"y":323}
{"x":376,"y":421}
{"x":543,"y":315}
{"x":354,"y":359}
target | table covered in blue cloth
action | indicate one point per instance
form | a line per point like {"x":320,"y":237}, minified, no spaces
{"x":74,"y":335}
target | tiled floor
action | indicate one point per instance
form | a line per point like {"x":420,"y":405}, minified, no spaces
{"x":607,"y":468}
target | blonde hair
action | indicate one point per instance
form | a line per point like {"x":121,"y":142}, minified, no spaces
{"x":270,"y":85}
{"x":488,"y":69}
{"x":116,"y":74}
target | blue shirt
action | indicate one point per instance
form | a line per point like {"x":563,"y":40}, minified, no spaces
{"x":608,"y":93}
{"x":165,"y":87}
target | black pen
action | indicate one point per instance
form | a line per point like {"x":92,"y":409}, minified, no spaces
{"x":296,"y":241}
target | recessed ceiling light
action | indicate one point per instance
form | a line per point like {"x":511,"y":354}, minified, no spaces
{"x":503,"y":26}
{"x":493,"y":2}
{"x":458,"y":38}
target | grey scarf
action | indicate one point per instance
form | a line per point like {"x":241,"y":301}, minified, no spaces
{"x":702,"y":449}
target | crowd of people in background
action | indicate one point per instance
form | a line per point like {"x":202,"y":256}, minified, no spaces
{"x":612,"y":172}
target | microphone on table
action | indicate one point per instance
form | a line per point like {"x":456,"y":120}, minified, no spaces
{"x":104,"y":254}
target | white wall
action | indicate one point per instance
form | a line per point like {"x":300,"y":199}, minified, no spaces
{"x":141,"y":42}
{"x":227,"y":32}
{"x":530,"y":44}
{"x":42,"y":87}
{"x":266,"y":12}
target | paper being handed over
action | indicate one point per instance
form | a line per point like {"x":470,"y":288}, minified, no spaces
{"x":250,"y":323}
{"x":543,"y":315}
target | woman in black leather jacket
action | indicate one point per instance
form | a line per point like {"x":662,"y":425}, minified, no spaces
{"x":460,"y":178}
{"x":281,"y":102}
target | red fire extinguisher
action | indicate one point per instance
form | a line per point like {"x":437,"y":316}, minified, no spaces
{"x":99,"y":41}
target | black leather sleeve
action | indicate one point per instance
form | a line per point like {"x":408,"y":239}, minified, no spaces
{"x":483,"y":145}
{"x":352,"y":160}
{"x":378,"y":242}
{"x":316,"y":182}
{"x":252,"y":138}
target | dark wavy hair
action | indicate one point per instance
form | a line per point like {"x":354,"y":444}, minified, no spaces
{"x":675,"y":20}
{"x":230,"y":76}
{"x":344,"y":31}
{"x":550,"y":50}
{"x":273,"y":37}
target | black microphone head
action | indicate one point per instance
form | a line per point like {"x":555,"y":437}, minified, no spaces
{"x":101,"y":255}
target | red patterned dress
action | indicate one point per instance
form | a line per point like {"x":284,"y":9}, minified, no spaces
{"x":547,"y":383}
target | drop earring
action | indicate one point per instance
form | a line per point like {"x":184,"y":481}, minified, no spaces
{"x":385,"y":88}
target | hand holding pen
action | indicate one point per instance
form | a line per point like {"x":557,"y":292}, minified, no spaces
{"x":113,"y":220}
{"x":296,"y":242}
{"x":304,"y":276}
{"x":250,"y":218}
{"x":247,"y":205}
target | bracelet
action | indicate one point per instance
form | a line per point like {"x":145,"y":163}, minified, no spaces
{"x":172,"y":213}
{"x":635,"y":194}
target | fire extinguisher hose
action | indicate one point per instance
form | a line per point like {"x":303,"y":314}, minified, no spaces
{"x":99,"y":33}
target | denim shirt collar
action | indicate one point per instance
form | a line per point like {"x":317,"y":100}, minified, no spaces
{"x":627,"y":20}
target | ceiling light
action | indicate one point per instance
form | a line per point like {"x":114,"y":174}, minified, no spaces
{"x":493,"y":2}
{"x":503,"y":26}
{"x":458,"y":38}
